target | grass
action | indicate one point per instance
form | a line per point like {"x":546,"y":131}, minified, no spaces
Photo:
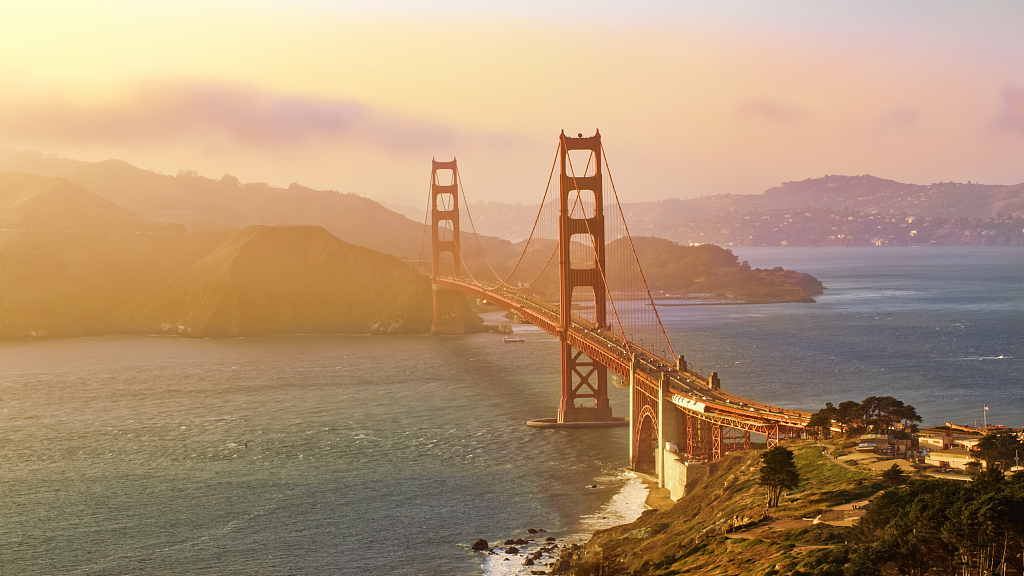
{"x":689,"y":538}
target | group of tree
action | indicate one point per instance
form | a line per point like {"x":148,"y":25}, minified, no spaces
{"x":1000,"y":450}
{"x":882,"y":414}
{"x":943,"y":527}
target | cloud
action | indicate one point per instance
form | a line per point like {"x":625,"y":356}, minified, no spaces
{"x":1011,"y":113}
{"x":771,"y":110}
{"x":211,"y":113}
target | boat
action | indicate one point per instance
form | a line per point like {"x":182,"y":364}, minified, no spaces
{"x":511,"y":339}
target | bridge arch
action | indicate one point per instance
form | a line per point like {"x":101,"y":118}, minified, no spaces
{"x":645,"y":441}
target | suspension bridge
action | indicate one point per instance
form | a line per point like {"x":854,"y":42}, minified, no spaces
{"x":577,"y":276}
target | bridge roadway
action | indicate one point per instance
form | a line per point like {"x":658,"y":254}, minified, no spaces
{"x":686,"y":389}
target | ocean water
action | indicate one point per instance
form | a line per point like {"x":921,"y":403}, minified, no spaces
{"x":391,"y":455}
{"x":940,"y":328}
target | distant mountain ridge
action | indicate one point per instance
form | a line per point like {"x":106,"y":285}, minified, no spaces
{"x":40,"y":203}
{"x":831,"y":210}
{"x":201,"y":203}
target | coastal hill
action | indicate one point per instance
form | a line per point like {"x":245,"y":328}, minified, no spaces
{"x":673,"y":270}
{"x":711,"y":269}
{"x":257,"y":280}
{"x":285,"y":278}
{"x":827,"y":211}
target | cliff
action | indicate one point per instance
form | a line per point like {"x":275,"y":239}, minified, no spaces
{"x":692,"y":536}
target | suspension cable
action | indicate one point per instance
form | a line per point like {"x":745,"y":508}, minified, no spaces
{"x":504,"y":282}
{"x":597,"y":263}
{"x":633,"y":248}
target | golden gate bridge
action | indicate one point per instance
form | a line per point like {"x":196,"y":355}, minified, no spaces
{"x":577,"y":276}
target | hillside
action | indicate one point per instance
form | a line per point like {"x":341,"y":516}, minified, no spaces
{"x":253,"y":281}
{"x":710,"y":269}
{"x":285,"y":279}
{"x":690,"y":537}
{"x":39,"y":203}
{"x":840,"y":520}
{"x":673,"y":271}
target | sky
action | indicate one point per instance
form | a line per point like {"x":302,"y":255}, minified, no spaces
{"x":691,"y":98}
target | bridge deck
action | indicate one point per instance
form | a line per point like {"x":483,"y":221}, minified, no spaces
{"x":689,"y":390}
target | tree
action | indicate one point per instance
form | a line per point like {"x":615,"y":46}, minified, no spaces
{"x":894,"y":475}
{"x":848,"y":413}
{"x":821,"y":423}
{"x":1000,"y":448}
{"x":778,"y":473}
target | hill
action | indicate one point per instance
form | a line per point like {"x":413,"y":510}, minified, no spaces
{"x":710,"y":269}
{"x":285,"y":279}
{"x":205,"y":204}
{"x":39,"y":203}
{"x":252,"y":281}
{"x":676,"y":271}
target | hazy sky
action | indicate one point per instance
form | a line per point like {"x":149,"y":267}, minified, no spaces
{"x":692,"y":97}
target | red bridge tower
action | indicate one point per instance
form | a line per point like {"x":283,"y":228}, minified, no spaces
{"x":444,"y":202}
{"x":583,"y":378}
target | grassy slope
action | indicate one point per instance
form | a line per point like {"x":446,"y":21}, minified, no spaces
{"x":689,"y":538}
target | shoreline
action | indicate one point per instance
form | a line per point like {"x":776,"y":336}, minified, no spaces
{"x":625,"y":506}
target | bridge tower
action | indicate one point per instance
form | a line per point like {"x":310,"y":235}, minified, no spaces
{"x":444,"y":211}
{"x":583,"y":378}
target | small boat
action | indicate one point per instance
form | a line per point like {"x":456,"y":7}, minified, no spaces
{"x":511,"y":339}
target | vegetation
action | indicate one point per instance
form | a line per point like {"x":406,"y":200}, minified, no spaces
{"x":943,"y":528}
{"x":778,"y":473}
{"x":881,"y":414}
{"x":709,"y":269}
{"x":913,"y":527}
{"x":692,"y":536}
{"x":894,"y":475}
{"x":1000,"y":450}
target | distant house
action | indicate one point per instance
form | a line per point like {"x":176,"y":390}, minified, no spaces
{"x":935,"y":442}
{"x":882,"y":444}
{"x":965,"y":443}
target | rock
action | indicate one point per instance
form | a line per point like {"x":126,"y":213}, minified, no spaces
{"x":529,"y":562}
{"x":480,"y":544}
{"x":512,"y":550}
{"x":549,"y":539}
{"x":532,"y":530}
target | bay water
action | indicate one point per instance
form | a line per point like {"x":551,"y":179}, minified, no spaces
{"x":391,"y":455}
